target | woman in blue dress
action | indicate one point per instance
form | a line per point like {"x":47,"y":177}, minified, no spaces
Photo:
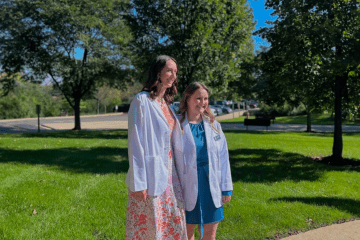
{"x":204,"y":171}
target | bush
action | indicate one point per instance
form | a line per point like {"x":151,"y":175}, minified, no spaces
{"x":285,"y":110}
{"x":22,"y":101}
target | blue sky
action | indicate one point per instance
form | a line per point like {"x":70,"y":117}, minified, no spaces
{"x":260,"y":15}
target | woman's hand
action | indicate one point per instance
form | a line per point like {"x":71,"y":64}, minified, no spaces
{"x":140,"y":195}
{"x":226,"y":199}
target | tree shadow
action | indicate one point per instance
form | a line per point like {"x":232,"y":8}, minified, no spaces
{"x":100,"y":160}
{"x":351,"y":206}
{"x":331,"y":135}
{"x":84,"y":134}
{"x":312,"y":134}
{"x":272,"y":165}
{"x":257,"y":132}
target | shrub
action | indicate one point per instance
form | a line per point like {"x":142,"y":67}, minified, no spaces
{"x":284,"y":110}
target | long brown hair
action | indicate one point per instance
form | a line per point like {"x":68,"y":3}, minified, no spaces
{"x":153,"y":82}
{"x":189,"y":91}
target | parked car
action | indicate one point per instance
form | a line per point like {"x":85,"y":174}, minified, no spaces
{"x":175,"y":107}
{"x":212,"y":102}
{"x":245,"y":103}
{"x":223,"y":103}
{"x":176,"y":104}
{"x":229,"y":102}
{"x":218,"y":110}
{"x":224,"y":109}
{"x":237,"y":105}
{"x":122,"y":107}
{"x":213,"y":109}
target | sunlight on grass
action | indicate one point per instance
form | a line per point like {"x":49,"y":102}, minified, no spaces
{"x":317,"y":119}
{"x":75,"y":181}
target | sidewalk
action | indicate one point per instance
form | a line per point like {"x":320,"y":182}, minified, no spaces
{"x":102,"y":125}
{"x":344,"y":231}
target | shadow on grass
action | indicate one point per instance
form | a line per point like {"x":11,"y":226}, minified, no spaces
{"x":351,"y":206}
{"x":271,"y":165}
{"x":106,"y":134}
{"x":316,"y":134}
{"x":254,"y":132}
{"x":100,"y":160}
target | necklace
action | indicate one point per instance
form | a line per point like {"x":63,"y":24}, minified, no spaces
{"x":161,"y":100}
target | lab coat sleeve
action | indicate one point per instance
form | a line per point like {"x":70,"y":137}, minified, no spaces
{"x":136,"y":177}
{"x":226,"y":180}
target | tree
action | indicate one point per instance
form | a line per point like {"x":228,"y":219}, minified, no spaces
{"x":209,"y":39}
{"x":322,"y":34}
{"x":22,"y":100}
{"x":292,"y":82}
{"x":105,"y":95}
{"x":41,"y":39}
{"x":7,"y":83}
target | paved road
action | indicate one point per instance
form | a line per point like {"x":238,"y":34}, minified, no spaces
{"x":27,"y":125}
{"x":119,"y":121}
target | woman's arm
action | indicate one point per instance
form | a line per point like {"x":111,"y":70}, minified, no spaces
{"x":136,"y":178}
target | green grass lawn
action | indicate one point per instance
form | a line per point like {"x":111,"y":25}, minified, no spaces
{"x":75,"y":183}
{"x":322,"y":119}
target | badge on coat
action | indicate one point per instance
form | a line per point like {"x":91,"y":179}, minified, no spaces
{"x":217,"y":137}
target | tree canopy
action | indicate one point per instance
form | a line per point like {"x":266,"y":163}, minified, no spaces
{"x":314,"y":55}
{"x":209,"y":39}
{"x":40,"y":39}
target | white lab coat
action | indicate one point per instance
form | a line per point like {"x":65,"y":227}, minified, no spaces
{"x":219,"y":166}
{"x":148,"y":145}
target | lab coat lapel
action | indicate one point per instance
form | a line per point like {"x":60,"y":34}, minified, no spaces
{"x":157,"y":106}
{"x":188,"y":144}
{"x":185,"y":125}
{"x":208,"y":136}
{"x":176,"y":119}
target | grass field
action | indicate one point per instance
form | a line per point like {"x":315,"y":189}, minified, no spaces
{"x":321,"y":119}
{"x":70,"y":185}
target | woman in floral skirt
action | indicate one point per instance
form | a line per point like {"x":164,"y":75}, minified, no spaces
{"x":155,"y":204}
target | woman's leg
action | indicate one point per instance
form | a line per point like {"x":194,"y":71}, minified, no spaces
{"x":210,"y":231}
{"x":190,"y":229}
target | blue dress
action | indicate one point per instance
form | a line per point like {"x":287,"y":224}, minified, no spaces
{"x":205,"y":211}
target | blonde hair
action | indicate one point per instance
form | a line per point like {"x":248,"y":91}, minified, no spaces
{"x":183,"y":107}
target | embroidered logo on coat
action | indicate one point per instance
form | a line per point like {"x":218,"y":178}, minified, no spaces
{"x":217,"y":137}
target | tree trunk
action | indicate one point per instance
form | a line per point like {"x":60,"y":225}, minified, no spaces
{"x":105,"y":109}
{"x":338,"y":141}
{"x":308,"y":129}
{"x":77,"y":114}
{"x":98,"y":107}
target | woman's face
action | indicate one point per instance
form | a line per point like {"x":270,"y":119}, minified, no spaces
{"x":168,"y":74}
{"x":198,"y":102}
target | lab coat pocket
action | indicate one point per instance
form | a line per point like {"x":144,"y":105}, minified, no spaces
{"x":154,"y":169}
{"x":139,"y":171}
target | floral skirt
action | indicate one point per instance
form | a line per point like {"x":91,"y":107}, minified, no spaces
{"x":159,"y":217}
